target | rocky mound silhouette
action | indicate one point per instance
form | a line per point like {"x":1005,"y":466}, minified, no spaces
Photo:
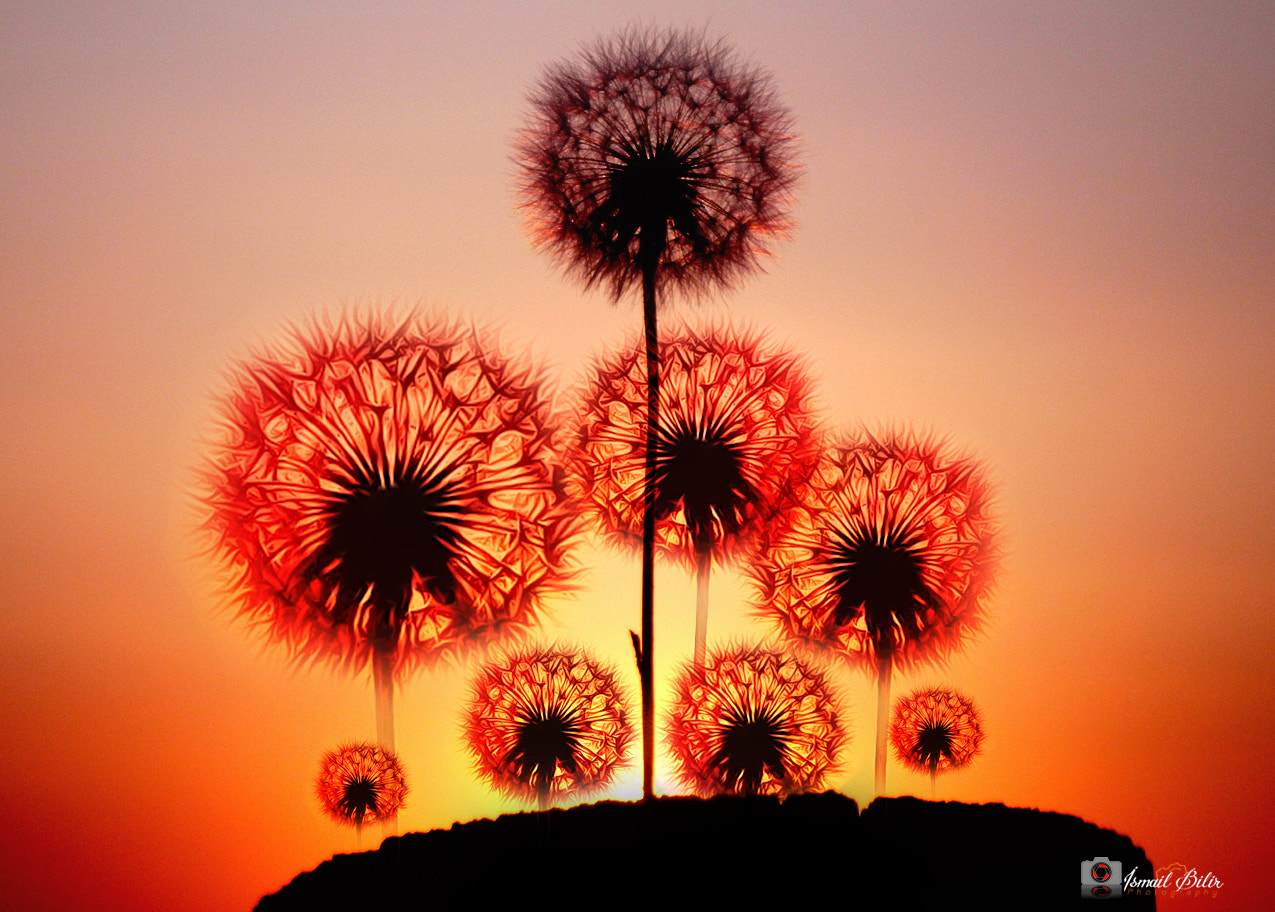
{"x":746,"y":853}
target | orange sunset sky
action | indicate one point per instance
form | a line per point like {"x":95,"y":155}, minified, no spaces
{"x":1044,"y":229}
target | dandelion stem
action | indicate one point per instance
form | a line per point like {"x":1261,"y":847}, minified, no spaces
{"x":885,"y":668}
{"x":383,"y":686}
{"x":702,"y":568}
{"x":647,"y":668}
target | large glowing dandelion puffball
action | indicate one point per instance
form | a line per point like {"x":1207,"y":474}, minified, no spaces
{"x":737,"y":440}
{"x":755,"y":722}
{"x":890,"y":559}
{"x":546,"y":724}
{"x":360,"y":783}
{"x":935,"y":730}
{"x":387,"y":491}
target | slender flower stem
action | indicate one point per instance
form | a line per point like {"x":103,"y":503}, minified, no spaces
{"x":703,"y":565}
{"x":383,"y":685}
{"x":389,"y":613}
{"x":885,"y":668}
{"x":646,"y":669}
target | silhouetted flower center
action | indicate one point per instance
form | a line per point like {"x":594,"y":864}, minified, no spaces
{"x":701,"y":469}
{"x":880,"y":576}
{"x":934,"y":742}
{"x":547,"y":739}
{"x":382,"y":537}
{"x":359,"y":797}
{"x":753,"y":743}
{"x":649,"y":190}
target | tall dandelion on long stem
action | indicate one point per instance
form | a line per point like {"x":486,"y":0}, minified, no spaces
{"x":655,"y":161}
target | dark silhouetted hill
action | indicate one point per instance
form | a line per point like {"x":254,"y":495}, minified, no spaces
{"x":728,"y":853}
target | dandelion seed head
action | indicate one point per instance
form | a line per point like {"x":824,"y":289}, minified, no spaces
{"x":657,"y":135}
{"x":548,"y":723}
{"x":753,"y":721}
{"x":934,"y":730}
{"x":891,"y":554}
{"x":388,"y":488}
{"x":360,"y":783}
{"x":737,"y":443}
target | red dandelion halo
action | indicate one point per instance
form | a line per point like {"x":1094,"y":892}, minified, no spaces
{"x":547,"y":723}
{"x":390,"y":487}
{"x":935,"y":730}
{"x":907,"y":514}
{"x":754,"y":721}
{"x":738,"y":433}
{"x":358,"y":783}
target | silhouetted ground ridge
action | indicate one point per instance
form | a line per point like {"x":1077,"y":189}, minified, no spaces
{"x":730,"y":852}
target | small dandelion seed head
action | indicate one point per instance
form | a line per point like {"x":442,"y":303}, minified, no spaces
{"x":891,"y":554}
{"x":548,"y":723}
{"x":737,"y":443}
{"x":388,"y":488}
{"x":753,"y":721}
{"x":360,"y":783}
{"x":934,"y":730}
{"x":662,"y":138}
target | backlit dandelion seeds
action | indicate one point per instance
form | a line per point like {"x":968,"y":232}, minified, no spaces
{"x":387,"y":489}
{"x":737,"y":440}
{"x":360,"y":783}
{"x":546,"y":724}
{"x":657,"y":153}
{"x":935,"y":730}
{"x":753,"y":721}
{"x":891,"y":556}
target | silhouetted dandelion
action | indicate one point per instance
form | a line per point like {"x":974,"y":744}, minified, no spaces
{"x":359,"y":783}
{"x":754,"y":722}
{"x":888,"y":563}
{"x":737,"y":440}
{"x":935,"y":730}
{"x":657,"y":157}
{"x":655,"y":161}
{"x":548,"y":723}
{"x":384,"y":495}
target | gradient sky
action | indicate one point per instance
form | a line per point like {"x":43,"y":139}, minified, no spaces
{"x":1044,"y":229}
